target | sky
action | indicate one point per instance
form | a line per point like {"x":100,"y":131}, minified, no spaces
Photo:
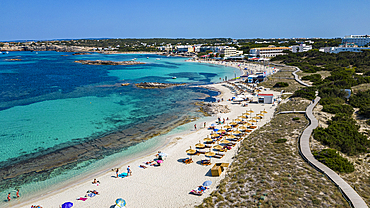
{"x":76,"y":19}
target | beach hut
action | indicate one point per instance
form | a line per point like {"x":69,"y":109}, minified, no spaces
{"x":266,"y":98}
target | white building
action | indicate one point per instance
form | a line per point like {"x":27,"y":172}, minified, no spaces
{"x":228,"y":51}
{"x":184,"y":48}
{"x":301,"y":48}
{"x":347,"y":49}
{"x":268,"y":52}
{"x":360,"y":40}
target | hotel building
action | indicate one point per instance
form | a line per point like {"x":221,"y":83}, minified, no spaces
{"x":359,"y":40}
{"x":268,"y":52}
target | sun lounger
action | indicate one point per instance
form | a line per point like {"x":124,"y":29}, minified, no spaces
{"x":188,"y":161}
{"x":218,"y":156}
{"x":206,"y":162}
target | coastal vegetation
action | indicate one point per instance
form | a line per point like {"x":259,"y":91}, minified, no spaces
{"x":334,"y":161}
{"x":281,"y":84}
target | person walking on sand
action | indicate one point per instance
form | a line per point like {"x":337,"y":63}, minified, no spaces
{"x":8,"y":197}
{"x":17,"y":193}
{"x":205,"y":124}
{"x":117,"y":172}
{"x":195,"y":126}
{"x":129,"y":172}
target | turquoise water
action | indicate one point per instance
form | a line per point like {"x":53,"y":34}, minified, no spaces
{"x":48,"y":102}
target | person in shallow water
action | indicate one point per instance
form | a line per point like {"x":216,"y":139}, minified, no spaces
{"x":17,"y":193}
{"x":8,"y":197}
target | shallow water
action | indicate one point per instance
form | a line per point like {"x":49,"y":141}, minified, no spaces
{"x":49,"y":103}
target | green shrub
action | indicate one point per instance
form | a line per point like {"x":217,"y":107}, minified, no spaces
{"x":307,"y":92}
{"x":331,"y":100}
{"x":342,"y":134}
{"x":365,"y":111}
{"x":295,"y":118}
{"x":281,"y":84}
{"x":280,"y":140}
{"x":334,"y":161}
{"x":337,"y":108}
{"x":315,"y":78}
{"x":368,"y":122}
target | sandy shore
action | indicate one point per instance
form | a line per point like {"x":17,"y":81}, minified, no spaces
{"x":165,"y":186}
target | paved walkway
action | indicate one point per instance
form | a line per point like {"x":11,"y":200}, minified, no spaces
{"x":304,"y":148}
{"x":287,"y":112}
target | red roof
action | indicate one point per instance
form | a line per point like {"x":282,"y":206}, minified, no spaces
{"x":265,"y":94}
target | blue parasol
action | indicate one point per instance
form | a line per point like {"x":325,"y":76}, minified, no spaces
{"x":207,"y":183}
{"x":67,"y":205}
{"x":120,"y":202}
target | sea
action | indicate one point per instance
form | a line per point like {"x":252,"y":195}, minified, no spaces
{"x":61,"y":120}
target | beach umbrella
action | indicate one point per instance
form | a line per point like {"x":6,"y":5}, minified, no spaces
{"x":248,"y":130}
{"x":231,"y":137}
{"x":215,"y":135}
{"x":210,"y":154}
{"x":237,"y":132}
{"x":250,"y":111}
{"x":243,"y":128}
{"x":67,"y":205}
{"x":227,"y":127}
{"x":221,"y":130}
{"x":233,"y":124}
{"x":208,"y":140}
{"x":256,"y":117}
{"x":162,"y":154}
{"x":120,"y":202}
{"x":191,"y":151}
{"x":200,"y":145}
{"x":225,"y":142}
{"x":244,"y":117}
{"x":253,"y":120}
{"x":264,"y":111}
{"x":246,"y":114}
{"x":218,"y":147}
{"x":237,"y":120}
{"x":261,"y":115}
{"x":207,"y":183}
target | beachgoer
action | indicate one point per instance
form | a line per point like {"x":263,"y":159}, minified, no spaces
{"x":95,"y":181}
{"x":227,"y":118}
{"x":159,"y":155}
{"x":17,"y":193}
{"x":129,"y":172}
{"x":8,"y":197}
{"x":224,"y":120}
{"x":143,"y":166}
{"x":117,"y":172}
{"x":205,"y":124}
{"x":195,"y":126}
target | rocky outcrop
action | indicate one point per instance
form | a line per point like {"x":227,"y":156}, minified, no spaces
{"x":100,"y":62}
{"x":151,"y":85}
{"x":209,"y":109}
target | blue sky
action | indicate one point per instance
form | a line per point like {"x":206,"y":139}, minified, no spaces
{"x":52,"y":19}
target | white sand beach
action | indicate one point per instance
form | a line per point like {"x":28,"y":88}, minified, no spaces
{"x":168,"y":185}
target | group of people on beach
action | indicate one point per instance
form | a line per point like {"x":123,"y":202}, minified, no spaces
{"x":129,"y":172}
{"x":9,"y":197}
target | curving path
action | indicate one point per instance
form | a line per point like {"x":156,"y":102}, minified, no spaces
{"x":304,"y":149}
{"x":297,"y":78}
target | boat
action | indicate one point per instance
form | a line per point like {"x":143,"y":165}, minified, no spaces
{"x":168,"y":55}
{"x":7,"y":52}
{"x":174,"y":77}
{"x":157,"y":59}
{"x":147,"y":57}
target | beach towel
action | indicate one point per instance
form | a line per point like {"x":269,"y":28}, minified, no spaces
{"x":82,"y":199}
{"x":91,"y":194}
{"x":122,"y":175}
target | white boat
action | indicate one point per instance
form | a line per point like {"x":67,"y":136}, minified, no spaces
{"x":157,"y":59}
{"x":7,"y":52}
{"x":147,"y":57}
{"x":174,"y":77}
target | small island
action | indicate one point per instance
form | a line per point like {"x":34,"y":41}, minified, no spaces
{"x":151,"y":85}
{"x":101,"y":62}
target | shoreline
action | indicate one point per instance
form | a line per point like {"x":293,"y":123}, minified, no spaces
{"x":48,"y":200}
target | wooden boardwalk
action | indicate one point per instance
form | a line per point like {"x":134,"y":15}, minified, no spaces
{"x":297,"y":78}
{"x":304,"y":149}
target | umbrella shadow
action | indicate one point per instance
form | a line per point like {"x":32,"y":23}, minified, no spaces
{"x":112,"y":206}
{"x":209,"y":173}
